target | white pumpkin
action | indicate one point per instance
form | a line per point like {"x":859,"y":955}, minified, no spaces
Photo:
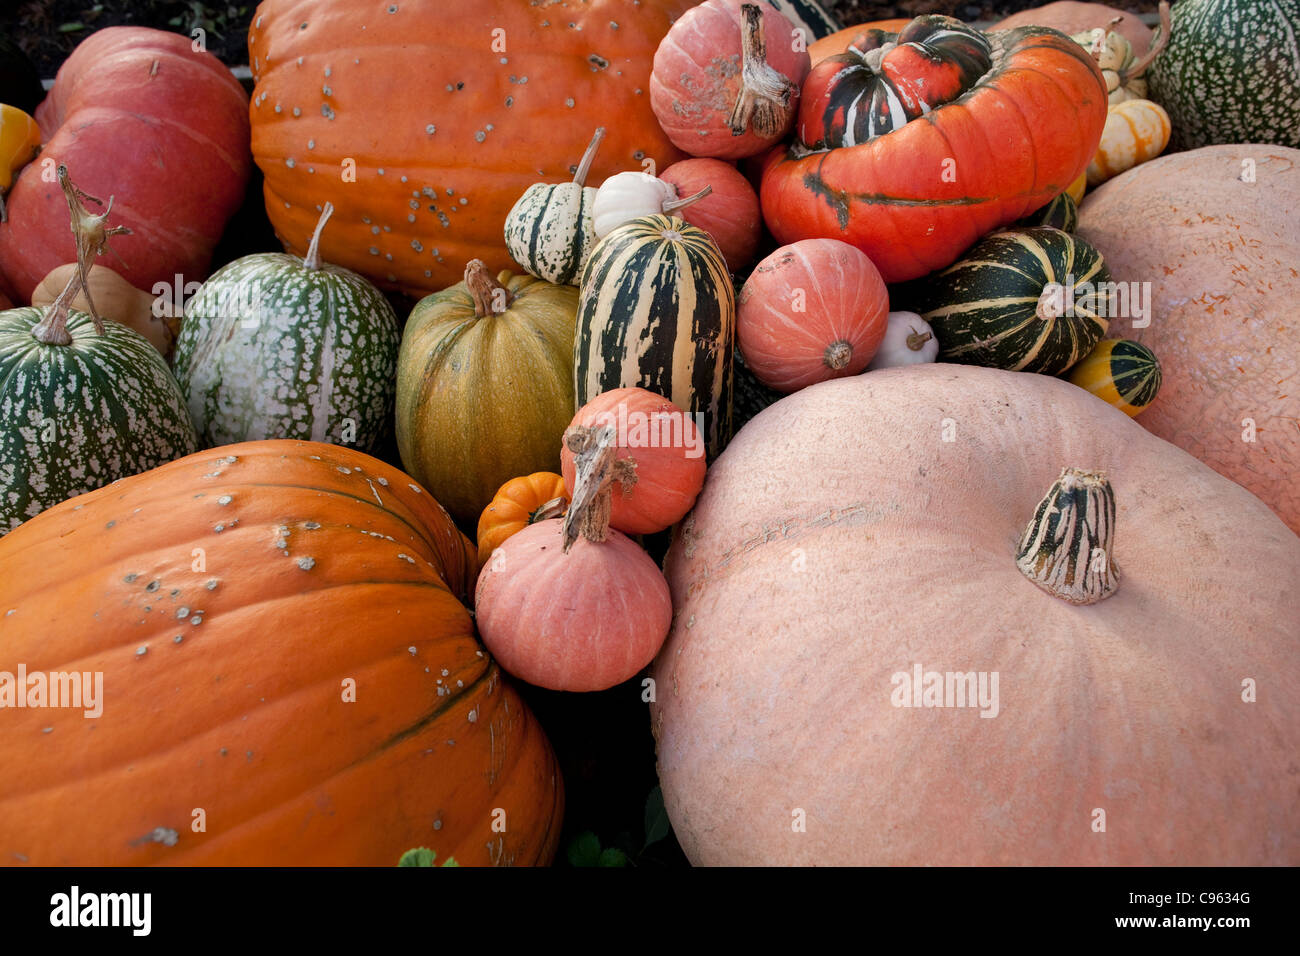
{"x":630,"y":195}
{"x":909,"y":340}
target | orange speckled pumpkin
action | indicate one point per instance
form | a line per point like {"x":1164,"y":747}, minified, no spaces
{"x":519,"y":503}
{"x":283,"y":644}
{"x":477,"y":106}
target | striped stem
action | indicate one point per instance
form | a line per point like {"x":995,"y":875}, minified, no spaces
{"x":1067,"y":548}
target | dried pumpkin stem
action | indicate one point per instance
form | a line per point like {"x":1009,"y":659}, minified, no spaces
{"x":916,"y":340}
{"x":673,"y":204}
{"x":838,"y":355}
{"x":312,"y":260}
{"x":1067,"y":547}
{"x":765,"y":94}
{"x":490,"y":296}
{"x":1139,"y":65}
{"x":596,"y":468}
{"x":551,"y":509}
{"x":584,"y":167}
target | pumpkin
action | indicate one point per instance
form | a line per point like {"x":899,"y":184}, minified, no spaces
{"x":1218,"y":244}
{"x":908,"y":340}
{"x":811,"y":311}
{"x":800,"y":639}
{"x":185,"y":106}
{"x":320,"y":592}
{"x":838,"y":42}
{"x":274,"y":346}
{"x":726,"y":79}
{"x":630,"y":195}
{"x":85,"y":402}
{"x":1121,"y":373}
{"x":657,"y":311}
{"x":549,"y":230}
{"x":914,"y":197}
{"x":1025,"y":300}
{"x":571,"y":604}
{"x":517,"y":504}
{"x":1231,"y":73}
{"x":1071,"y":17}
{"x":20,"y":141}
{"x":117,"y":299}
{"x":729,"y":212}
{"x":664,"y":452}
{"x":505,"y":94}
{"x":1061,"y":213}
{"x":1122,"y":68}
{"x":1136,"y":131}
{"x":485,"y":385}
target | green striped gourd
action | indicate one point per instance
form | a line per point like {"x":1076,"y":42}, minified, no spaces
{"x":82,"y":404}
{"x":657,"y":311}
{"x":1120,"y":372}
{"x":808,"y":15}
{"x":273,"y":346}
{"x":549,"y":231}
{"x":1025,"y":300}
{"x":1231,"y":73}
{"x":1061,"y":213}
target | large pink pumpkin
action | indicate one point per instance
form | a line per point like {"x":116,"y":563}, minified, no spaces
{"x":867,"y":525}
{"x":581,"y":621}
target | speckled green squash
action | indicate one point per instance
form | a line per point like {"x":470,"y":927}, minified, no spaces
{"x":75,"y":417}
{"x":1024,"y":300}
{"x":273,"y":346}
{"x":657,"y":310}
{"x":1231,"y":73}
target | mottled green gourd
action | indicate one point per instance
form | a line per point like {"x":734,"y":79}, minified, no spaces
{"x":274,"y":346}
{"x":1024,"y":300}
{"x":549,"y":230}
{"x":83,"y":402}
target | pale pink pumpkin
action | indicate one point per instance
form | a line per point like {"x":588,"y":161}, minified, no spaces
{"x":730,"y":213}
{"x":725,"y":81}
{"x":581,"y":621}
{"x":663,"y":446}
{"x":814,"y":310}
{"x":1071,"y":17}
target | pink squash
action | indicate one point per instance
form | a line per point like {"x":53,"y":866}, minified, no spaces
{"x":866,"y":528}
{"x":1073,"y":17}
{"x":1219,"y":245}
{"x":729,"y":213}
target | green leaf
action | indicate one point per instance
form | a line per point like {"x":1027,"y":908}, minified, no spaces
{"x":450,"y":861}
{"x":656,"y":817}
{"x":584,"y":850}
{"x":71,"y":27}
{"x":612,"y":856}
{"x":420,"y":856}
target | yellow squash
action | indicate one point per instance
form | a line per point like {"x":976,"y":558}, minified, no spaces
{"x":1136,"y":131}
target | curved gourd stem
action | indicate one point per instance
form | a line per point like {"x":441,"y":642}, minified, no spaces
{"x":675,"y":204}
{"x":765,"y":94}
{"x":1161,"y":41}
{"x":490,"y":296}
{"x":916,"y":340}
{"x":91,"y":234}
{"x":554,"y":508}
{"x":584,"y":167}
{"x":838,"y":355}
{"x":1067,"y":547}
{"x":596,"y":468}
{"x":312,"y":259}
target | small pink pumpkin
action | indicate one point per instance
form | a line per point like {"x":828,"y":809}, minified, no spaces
{"x":730,"y":213}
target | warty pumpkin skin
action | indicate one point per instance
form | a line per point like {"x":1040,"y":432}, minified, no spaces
{"x":227,"y":598}
{"x":435,"y":180}
{"x":914,"y":198}
{"x":137,"y":115}
{"x":485,"y":385}
{"x":815,"y":530}
{"x":1220,"y":245}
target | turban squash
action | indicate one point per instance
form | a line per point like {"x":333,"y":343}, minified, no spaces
{"x":476,"y":108}
{"x":913,"y":151}
{"x":809,"y":544}
{"x":228,"y":598}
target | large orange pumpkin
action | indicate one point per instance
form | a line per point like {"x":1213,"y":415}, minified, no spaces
{"x":867,"y":526}
{"x":476,"y":106}
{"x":1220,"y":249}
{"x":838,"y":41}
{"x":234,"y":601}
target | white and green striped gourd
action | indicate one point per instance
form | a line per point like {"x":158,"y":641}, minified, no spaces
{"x":273,"y":346}
{"x":549,"y":230}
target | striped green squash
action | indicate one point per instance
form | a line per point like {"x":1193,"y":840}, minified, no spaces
{"x":1120,"y":372}
{"x":1025,"y":300}
{"x":273,"y":346}
{"x":809,"y":15}
{"x":1061,"y":213}
{"x":549,"y":230}
{"x":1231,"y":73}
{"x":81,"y":409}
{"x":657,"y":310}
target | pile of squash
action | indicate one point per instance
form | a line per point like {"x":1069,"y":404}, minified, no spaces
{"x":859,"y":318}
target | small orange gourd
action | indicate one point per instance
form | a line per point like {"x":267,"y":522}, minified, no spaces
{"x":517,"y":504}
{"x":20,"y":141}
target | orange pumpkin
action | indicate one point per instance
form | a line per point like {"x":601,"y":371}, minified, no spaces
{"x":837,"y":42}
{"x":517,"y":504}
{"x":289,"y":675}
{"x":504,"y":92}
